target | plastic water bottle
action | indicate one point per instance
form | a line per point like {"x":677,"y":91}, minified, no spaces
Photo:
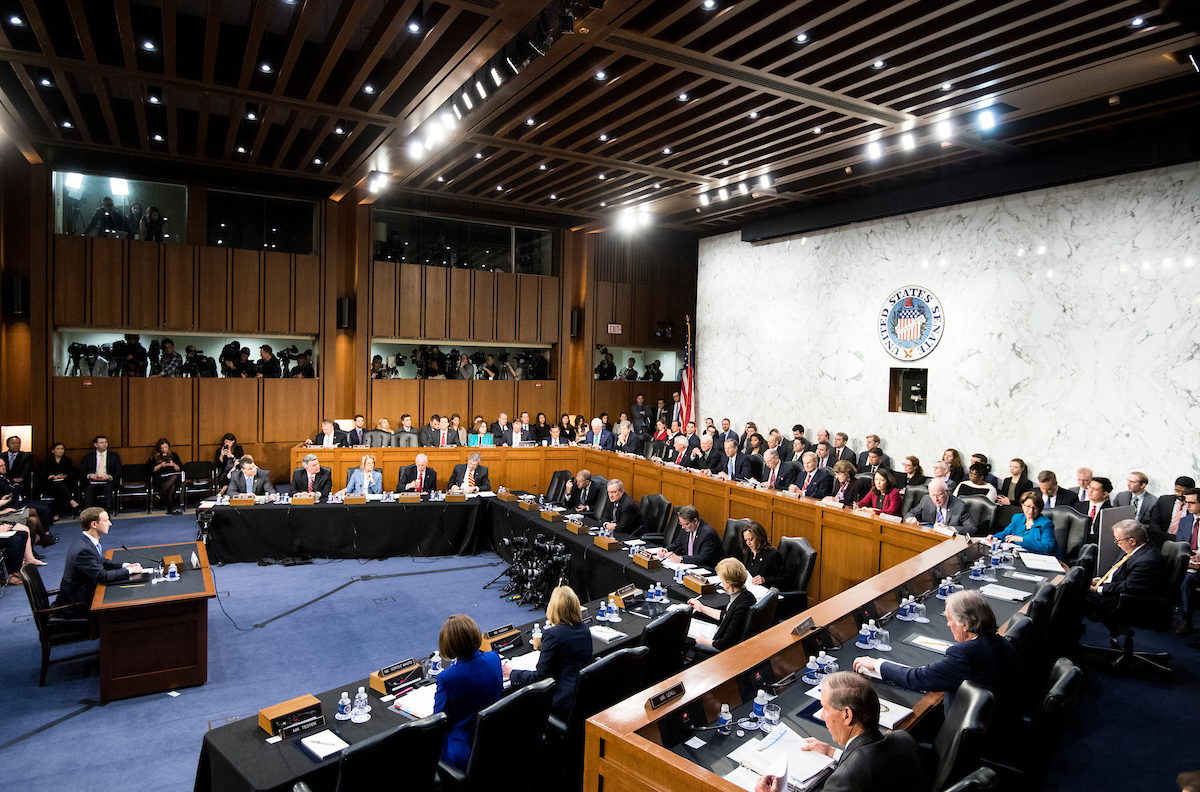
{"x":679,"y":574}
{"x":812,"y":675}
{"x":873,"y":633}
{"x":435,"y":664}
{"x":723,"y":720}
{"x":831,"y":665}
{"x":343,"y":712}
{"x":537,"y":630}
{"x":602,"y":612}
{"x":172,"y":572}
{"x":760,"y":701}
{"x":864,"y":637}
{"x":614,"y":613}
{"x":822,"y":664}
{"x":541,"y":501}
{"x":361,"y":711}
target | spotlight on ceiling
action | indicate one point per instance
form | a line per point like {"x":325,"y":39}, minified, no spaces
{"x":682,"y":97}
{"x":704,"y":199}
{"x":879,"y":65}
{"x":874,"y":150}
{"x":265,"y":68}
{"x":602,"y":75}
{"x":708,"y":5}
{"x":479,"y":89}
{"x":743,"y":188}
{"x":987,"y":120}
{"x":377,"y":182}
{"x":801,"y":38}
{"x":496,"y":78}
{"x":149,"y":45}
{"x":241,"y":149}
{"x":158,"y":138}
{"x":944,"y":130}
{"x":337,"y":130}
{"x":368,"y":89}
{"x":416,"y":150}
{"x":908,"y":142}
{"x":466,"y":97}
{"x":723,"y":194}
{"x":416,"y":22}
{"x":16,"y":21}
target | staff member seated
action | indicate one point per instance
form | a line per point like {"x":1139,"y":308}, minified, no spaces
{"x":1032,"y":530}
{"x":472,"y":683}
{"x":978,"y":654}
{"x":418,"y":477}
{"x":249,"y":479}
{"x":517,"y":434}
{"x":627,"y":442}
{"x":312,"y":477}
{"x":581,"y":495}
{"x":1141,"y":571}
{"x":697,"y":544}
{"x":870,"y":761}
{"x":366,"y":480}
{"x":480,"y":435}
{"x":471,"y":477}
{"x":566,"y":647}
{"x":86,"y":565}
{"x":100,"y":470}
{"x":555,"y":437}
{"x":883,"y":497}
{"x":444,"y":436}
{"x":732,"y":620}
{"x":941,"y":509}
{"x":622,"y":513}
{"x":329,"y":437}
{"x":764,"y":563}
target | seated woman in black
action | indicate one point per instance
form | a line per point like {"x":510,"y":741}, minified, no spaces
{"x":1016,"y":485}
{"x":731,"y":621}
{"x":226,"y":459}
{"x":913,"y":474}
{"x":764,"y":564}
{"x":566,"y":647}
{"x":567,"y":429}
{"x":847,"y":489}
{"x":58,"y":477}
{"x":954,"y":461}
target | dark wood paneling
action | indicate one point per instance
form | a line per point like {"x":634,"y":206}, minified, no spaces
{"x":528,"y":296}
{"x":84,"y":408}
{"x":161,"y":407}
{"x":623,"y":314}
{"x":538,"y":396}
{"x":446,"y":397}
{"x":483,"y":308}
{"x":307,"y":311}
{"x":460,"y":304}
{"x":612,"y":397}
{"x":393,"y":398}
{"x":144,"y":285}
{"x":107,"y":283}
{"x":179,"y":276}
{"x":409,"y":304}
{"x":640,"y":333}
{"x":277,"y":293}
{"x":662,"y":257}
{"x":602,"y":312}
{"x":436,"y":288}
{"x":506,"y":306}
{"x":490,"y":398}
{"x":213,"y":287}
{"x":289,"y":410}
{"x":70,"y":259}
{"x":551,"y":309}
{"x":383,"y":300}
{"x":227,"y":405}
{"x":245,"y":286}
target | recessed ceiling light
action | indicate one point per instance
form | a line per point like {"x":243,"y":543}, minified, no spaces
{"x":879,"y":64}
{"x":744,"y":189}
{"x":657,"y":185}
{"x":499,"y":188}
{"x":709,"y":5}
{"x":16,"y":21}
{"x":316,"y":160}
{"x":414,"y":26}
{"x":441,"y":179}
{"x":801,"y":38}
{"x":601,"y":76}
{"x":1137,"y":22}
{"x":251,"y":116}
{"x":241,"y":149}
{"x":370,"y":89}
{"x":339,"y":131}
{"x":602,"y":177}
{"x":68,"y":125}
{"x":765,"y":180}
{"x":987,"y":120}
{"x":46,"y":83}
{"x":149,"y":46}
{"x":496,"y":76}
{"x":947,"y":87}
{"x":542,"y":166}
{"x":153,"y":99}
{"x":816,"y":130}
{"x":553,"y":197}
{"x":703,"y":199}
{"x":478,"y":155}
{"x":723,"y":193}
{"x":682,"y":97}
{"x":874,"y":150}
{"x":529,"y":122}
{"x":479,"y":89}
{"x":602,"y":203}
{"x":724,"y":162}
{"x":603,"y":137}
{"x":265,"y":68}
{"x":666,"y":151}
{"x":944,"y":130}
{"x":158,"y":138}
{"x":908,"y":141}
{"x":753,"y":114}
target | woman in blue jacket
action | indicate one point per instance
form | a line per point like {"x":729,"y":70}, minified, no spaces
{"x":1032,"y":530}
{"x":471,"y":684}
{"x":565,"y":649}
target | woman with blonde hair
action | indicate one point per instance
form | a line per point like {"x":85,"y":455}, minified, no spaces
{"x":731,"y":622}
{"x":566,"y":647}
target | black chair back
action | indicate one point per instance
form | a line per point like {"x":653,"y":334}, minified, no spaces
{"x":198,"y":470}
{"x":1089,"y":557}
{"x":601,"y":684}
{"x":371,"y":763}
{"x":1070,"y":531}
{"x":1020,"y":633}
{"x":982,"y":511}
{"x":1066,"y":614}
{"x":1004,"y":515}
{"x":672,"y":526}
{"x":756,"y":466}
{"x":199,"y":477}
{"x":1155,"y":613}
{"x":1049,"y":720}
{"x":602,"y":501}
{"x":135,"y":474}
{"x":959,"y":741}
{"x":799,"y":561}
{"x":54,"y":628}
{"x":558,"y":486}
{"x":865,"y":482}
{"x":377,"y":438}
{"x":509,"y":733}
{"x":981,"y":780}
{"x":912,"y":496}
{"x":731,"y":542}
{"x":656,"y":510}
{"x":666,"y":638}
{"x":762,"y":614}
{"x":655,"y":449}
{"x":404,"y":440}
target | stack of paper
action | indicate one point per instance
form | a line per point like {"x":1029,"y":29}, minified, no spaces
{"x":932,"y":644}
{"x":526,"y":662}
{"x":1042,"y":563}
{"x":996,"y":591}
{"x":758,"y":591}
{"x":702,"y":629}
{"x":779,"y":753}
{"x":417,"y":703}
{"x":606,"y":634}
{"x":324,"y":743}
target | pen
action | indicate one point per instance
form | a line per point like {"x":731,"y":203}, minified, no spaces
{"x":315,"y":741}
{"x":635,"y":613}
{"x":136,"y":585}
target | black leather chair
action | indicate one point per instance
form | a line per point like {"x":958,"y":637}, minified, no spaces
{"x":1070,"y":531}
{"x":982,"y":511}
{"x":55,"y":626}
{"x":667,"y":639}
{"x":371,"y":763}
{"x":1020,"y":633}
{"x":377,"y":438}
{"x":601,"y":684}
{"x":799,"y":561}
{"x":979,"y":781}
{"x":756,"y":466}
{"x":959,"y":742}
{"x":508,"y":737}
{"x":1145,"y":613}
{"x":1042,"y":734}
{"x":602,"y":501}
{"x":656,"y":510}
{"x":134,"y":483}
{"x":1037,"y":662}
{"x":555,"y":492}
{"x":405,"y":440}
{"x":865,"y":482}
{"x":731,"y":540}
{"x":198,"y":479}
{"x":1004,"y":515}
{"x":912,"y":496}
{"x":655,"y":449}
{"x":1066,"y":614}
{"x":672,"y":526}
{"x":1089,"y":557}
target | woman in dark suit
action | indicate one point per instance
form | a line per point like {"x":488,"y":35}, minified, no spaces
{"x":57,"y":476}
{"x":731,"y":621}
{"x":764,"y":564}
{"x":913,"y":474}
{"x":226,"y":459}
{"x":883,"y":497}
{"x":566,"y":429}
{"x":472,"y":683}
{"x":954,"y":461}
{"x":566,"y":647}
{"x":847,"y":489}
{"x":541,"y":429}
{"x":1016,"y":485}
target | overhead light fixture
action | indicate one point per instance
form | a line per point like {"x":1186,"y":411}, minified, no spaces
{"x":602,"y":177}
{"x":553,"y":197}
{"x":908,"y":142}
{"x":251,"y":115}
{"x":337,"y":130}
{"x":987,"y":120}
{"x":1137,"y":23}
{"x":158,"y":138}
{"x":414,"y":25}
{"x":743,"y":188}
{"x":241,"y":149}
{"x":152,"y":99}
{"x":479,"y":89}
{"x":149,"y":45}
{"x":603,"y":137}
{"x":602,"y":203}
{"x":874,"y":150}
{"x":666,"y":151}
{"x":416,"y":150}
{"x":601,"y":76}
{"x":265,"y":68}
{"x":441,"y":178}
{"x":708,"y":5}
{"x":512,"y":65}
{"x":723,"y":194}
{"x":879,"y":65}
{"x":377,"y":183}
{"x":496,"y":76}
{"x":801,"y":38}
{"x":725,"y":162}
{"x":457,"y":112}
{"x":449,"y":122}
{"x":119,"y":186}
{"x":704,"y":199}
{"x":368,"y":89}
{"x":542,"y":167}
{"x":764,"y":181}
{"x":657,"y":185}
{"x":499,"y":188}
{"x":466,"y":97}
{"x":67,"y":125}
{"x":478,"y":155}
{"x":16,"y":21}
{"x":944,"y":130}
{"x":753,"y":115}
{"x":316,"y":160}
{"x":74,"y":181}
{"x":947,"y":87}
{"x":816,"y":130}
{"x":682,"y":97}
{"x":46,"y":82}
{"x":529,"y":122}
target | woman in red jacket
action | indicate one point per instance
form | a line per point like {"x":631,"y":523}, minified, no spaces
{"x":883,"y":497}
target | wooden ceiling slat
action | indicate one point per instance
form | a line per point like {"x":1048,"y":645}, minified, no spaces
{"x":82,"y":32}
{"x":104,"y":97}
{"x":259,"y":10}
{"x":65,"y":87}
{"x":212,"y":35}
{"x":391,"y":22}
{"x":343,"y":28}
{"x":125,"y":30}
{"x":169,"y":14}
{"x":265,"y":113}
{"x":298,"y":26}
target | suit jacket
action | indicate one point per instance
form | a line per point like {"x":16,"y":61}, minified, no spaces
{"x":1161,"y":512}
{"x":733,"y":621}
{"x":862,"y":464}
{"x":578,"y":497}
{"x":785,"y":475}
{"x":85,"y":568}
{"x":20,"y":467}
{"x":625,"y":514}
{"x":693,"y":441}
{"x":639,"y":414}
{"x":356,"y":437}
{"x":607,"y":440}
{"x":409,"y":473}
{"x":1084,"y":507}
{"x":357,"y":485}
{"x":339,"y":439}
{"x":1143,"y":574}
{"x":719,"y":443}
{"x":820,"y":485}
{"x":827,"y":462}
{"x":526,"y":436}
{"x":741,"y":466}
{"x":322,"y":482}
{"x":566,"y":649}
{"x":710,"y":462}
{"x":1063,"y":498}
{"x":855,"y":490}
{"x":875,"y":761}
{"x":461,"y":691}
{"x":844,"y":453}
{"x":1023,"y":486}
{"x":498,"y":431}
{"x":957,"y":515}
{"x":261,"y":484}
{"x":706,"y":548}
{"x":1187,"y":524}
{"x":87,"y":465}
{"x":632,"y":445}
{"x":1144,"y":507}
{"x":670,"y":454}
{"x":562,"y":441}
{"x":459,"y":476}
{"x":989,"y":661}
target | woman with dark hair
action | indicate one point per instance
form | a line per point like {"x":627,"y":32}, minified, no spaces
{"x":57,"y":476}
{"x":165,"y":470}
{"x":566,"y":429}
{"x":226,"y":459}
{"x":913,"y":474}
{"x":764,"y":563}
{"x":660,"y":431}
{"x":847,"y":489}
{"x":1017,"y":483}
{"x":883,"y":497}
{"x":954,"y":461}
{"x":581,"y":428}
{"x":758,"y":444}
{"x":153,"y":226}
{"x":472,"y":682}
{"x":977,"y":484}
{"x":541,"y":430}
{"x":1031,"y":529}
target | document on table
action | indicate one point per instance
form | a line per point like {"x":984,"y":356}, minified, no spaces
{"x":526,"y":662}
{"x":1028,"y":578}
{"x":932,"y":644}
{"x":324,"y":743}
{"x":606,"y":634}
{"x":758,"y":591}
{"x":673,"y":565}
{"x":890,"y":713}
{"x":996,"y":591}
{"x":417,"y":703}
{"x":1042,"y":563}
{"x":484,"y":494}
{"x":778,"y":753}
{"x":701,"y":629}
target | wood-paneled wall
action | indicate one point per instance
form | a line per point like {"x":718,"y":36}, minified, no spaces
{"x":422,"y":398}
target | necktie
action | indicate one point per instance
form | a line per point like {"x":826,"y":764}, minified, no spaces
{"x":1134,"y":504}
{"x":470,"y":478}
{"x":1108,"y":576}
{"x":691,"y":543}
{"x":1195,"y":533}
{"x":731,"y":467}
{"x":101,"y":463}
{"x":596,"y":439}
{"x":99,"y":549}
{"x":807,"y":480}
{"x":614,"y":517}
{"x":1092,"y":513}
{"x":679,"y":459}
{"x":310,"y":482}
{"x":443,"y":440}
{"x":941,"y":517}
{"x":420,"y":481}
{"x":771,"y":480}
{"x":1175,"y":517}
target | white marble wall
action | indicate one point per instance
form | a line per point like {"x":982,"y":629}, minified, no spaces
{"x":1072,"y":330}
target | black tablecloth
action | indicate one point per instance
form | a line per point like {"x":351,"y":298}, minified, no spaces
{"x":370,"y":530}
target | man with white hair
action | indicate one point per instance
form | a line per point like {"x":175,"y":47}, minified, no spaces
{"x":941,"y":472}
{"x":941,"y":509}
{"x":599,"y":437}
{"x":677,"y":452}
{"x":311,"y":477}
{"x":814,"y":482}
{"x":418,"y":477}
{"x":705,"y":458}
{"x":777,"y":474}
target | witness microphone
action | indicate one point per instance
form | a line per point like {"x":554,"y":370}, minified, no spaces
{"x":157,"y":561}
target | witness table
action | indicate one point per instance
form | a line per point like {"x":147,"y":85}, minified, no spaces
{"x":154,"y":636}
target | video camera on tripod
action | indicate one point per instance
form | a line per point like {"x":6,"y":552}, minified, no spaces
{"x":538,"y":566}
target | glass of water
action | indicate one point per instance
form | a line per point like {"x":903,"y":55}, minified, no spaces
{"x":770,"y":717}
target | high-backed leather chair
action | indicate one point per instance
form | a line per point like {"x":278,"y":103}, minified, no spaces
{"x":601,"y":684}
{"x":667,"y":639}
{"x":655,"y":449}
{"x":1070,"y":531}
{"x":508,"y":738}
{"x":1037,"y":665}
{"x":1066,"y":615}
{"x":799,"y":561}
{"x":371,"y":763}
{"x":731,"y":540}
{"x":656,"y":510}
{"x":1026,"y":766}
{"x":377,"y":438}
{"x":602,"y":501}
{"x":1089,"y":557}
{"x":865,"y":482}
{"x":672,"y":527}
{"x":912,"y":496}
{"x":56,"y":624}
{"x":556,"y":490}
{"x":982,"y":511}
{"x":981,"y":780}
{"x":959,"y":742}
{"x":756,"y":466}
{"x":405,"y":440}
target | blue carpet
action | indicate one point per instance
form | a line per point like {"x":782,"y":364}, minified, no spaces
{"x":344,"y":636}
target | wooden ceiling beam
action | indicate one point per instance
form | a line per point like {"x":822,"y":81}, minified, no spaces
{"x":391,"y":22}
{"x":82,"y":32}
{"x":104,"y":98}
{"x":345,"y":24}
{"x":68,"y":92}
{"x":212,"y":35}
{"x":125,"y":31}
{"x":169,"y":18}
{"x":258,"y":22}
{"x":302,"y":19}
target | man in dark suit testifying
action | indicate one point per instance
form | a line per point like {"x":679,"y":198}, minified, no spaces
{"x":311,"y":477}
{"x":697,"y":543}
{"x":736,"y":465}
{"x":418,"y":477}
{"x":86,"y":565}
{"x":621,"y":514}
{"x":249,"y":479}
{"x":100,"y":469}
{"x":471,"y":477}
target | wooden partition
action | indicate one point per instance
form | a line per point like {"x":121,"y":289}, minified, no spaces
{"x":446,"y":397}
{"x":489,"y":398}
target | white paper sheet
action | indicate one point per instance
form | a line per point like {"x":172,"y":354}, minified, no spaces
{"x":324,"y":743}
{"x":996,"y":591}
{"x":526,"y":662}
{"x":932,"y":644}
{"x":417,"y":703}
{"x":1042,"y":563}
{"x":606,"y":634}
{"x":701,"y":629}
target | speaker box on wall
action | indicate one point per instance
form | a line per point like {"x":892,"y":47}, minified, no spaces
{"x":574,"y":324}
{"x":16,"y":297}
{"x":343,"y":313}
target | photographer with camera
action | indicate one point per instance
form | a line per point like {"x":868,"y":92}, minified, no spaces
{"x":196,"y":364}
{"x":170,"y":363}
{"x":490,"y":370}
{"x":130,"y":356}
{"x":230,"y":359}
{"x":377,"y":368}
{"x":304,"y":367}
{"x":268,"y":366}
{"x":226,"y":460}
{"x":466,"y":369}
{"x":606,"y":370}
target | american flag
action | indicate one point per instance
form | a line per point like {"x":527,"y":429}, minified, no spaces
{"x":908,"y":322}
{"x":687,"y":391}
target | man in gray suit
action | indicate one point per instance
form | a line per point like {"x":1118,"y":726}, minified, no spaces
{"x":940,"y":508}
{"x":1136,"y":496}
{"x":249,"y":479}
{"x":465,"y":368}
